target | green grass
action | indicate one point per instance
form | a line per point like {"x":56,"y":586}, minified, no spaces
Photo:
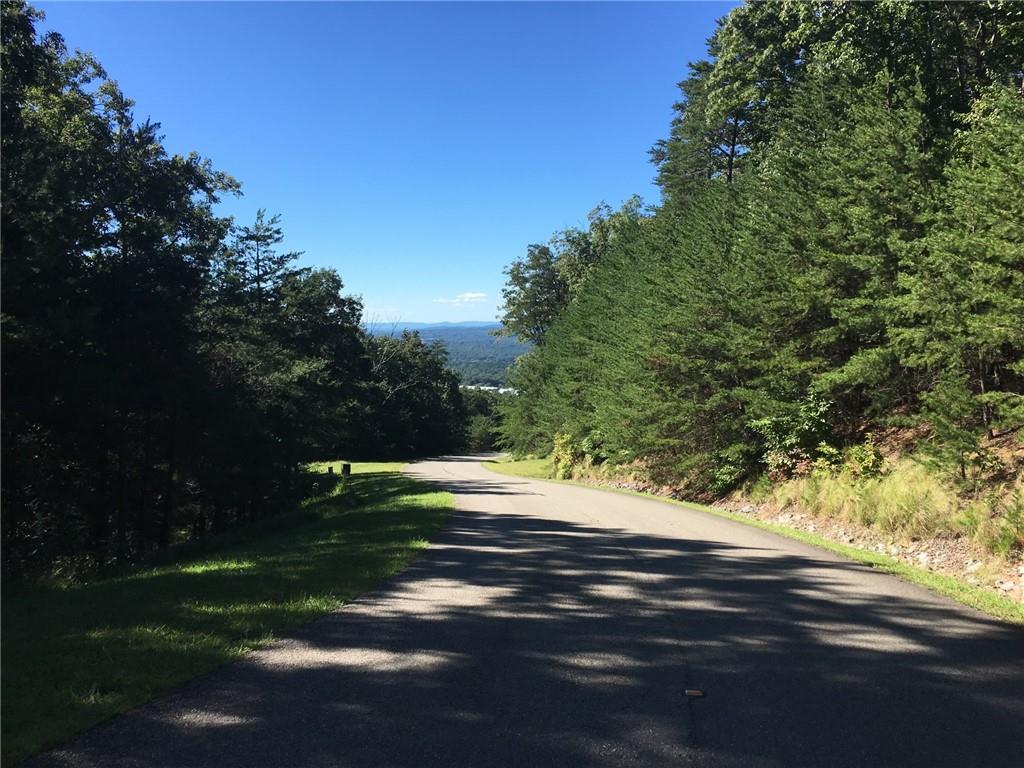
{"x":75,"y":656}
{"x":538,"y":469}
{"x":957,"y":589}
{"x":358,"y":468}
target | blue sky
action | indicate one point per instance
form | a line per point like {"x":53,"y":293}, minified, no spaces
{"x":416,"y":148}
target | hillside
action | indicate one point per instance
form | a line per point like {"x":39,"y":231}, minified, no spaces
{"x":474,"y":351}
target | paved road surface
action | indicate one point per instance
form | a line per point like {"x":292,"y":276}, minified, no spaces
{"x":559,"y":626}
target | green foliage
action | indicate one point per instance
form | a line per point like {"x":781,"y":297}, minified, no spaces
{"x":416,"y":404}
{"x":828,"y":461}
{"x":859,"y":460}
{"x":958,"y":314}
{"x":792,"y":440}
{"x":564,"y":456}
{"x":482,"y":408}
{"x":166,"y":372}
{"x":534,"y":294}
{"x":956,"y":425}
{"x":839,"y":245}
{"x":592,"y":447}
{"x":727,"y":475}
{"x":1009,"y":534}
{"x":552,"y":276}
{"x":863,"y":459}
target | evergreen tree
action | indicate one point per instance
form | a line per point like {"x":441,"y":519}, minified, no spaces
{"x":959,"y":313}
{"x":839,"y":246}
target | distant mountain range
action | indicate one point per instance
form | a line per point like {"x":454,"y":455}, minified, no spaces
{"x":378,"y":327}
{"x":474,"y":351}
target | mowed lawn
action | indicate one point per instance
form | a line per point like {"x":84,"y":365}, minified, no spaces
{"x":537,"y":469}
{"x":75,"y":656}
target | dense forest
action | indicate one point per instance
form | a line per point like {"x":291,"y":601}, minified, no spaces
{"x":838,"y":255}
{"x":167,"y":372}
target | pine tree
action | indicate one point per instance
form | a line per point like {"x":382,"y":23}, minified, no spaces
{"x":962,"y":300}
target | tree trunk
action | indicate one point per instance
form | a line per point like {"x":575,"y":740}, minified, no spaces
{"x":122,"y":501}
{"x":199,"y":524}
{"x":142,"y":523}
{"x":219,"y":520}
{"x":169,"y":500}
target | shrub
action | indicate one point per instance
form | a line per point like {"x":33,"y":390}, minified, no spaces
{"x":952,"y":411}
{"x":863,"y":460}
{"x":829,"y":458}
{"x":731,"y":466}
{"x":793,"y":440}
{"x":482,"y":433}
{"x":564,"y":456}
{"x":760,"y":489}
{"x":592,"y":447}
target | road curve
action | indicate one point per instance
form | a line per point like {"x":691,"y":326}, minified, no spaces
{"x":552,"y":625}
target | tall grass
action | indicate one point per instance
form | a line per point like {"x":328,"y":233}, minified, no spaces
{"x":909,"y":502}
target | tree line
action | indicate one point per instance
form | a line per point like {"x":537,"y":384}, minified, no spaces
{"x":839,"y":248}
{"x":166,"y":371}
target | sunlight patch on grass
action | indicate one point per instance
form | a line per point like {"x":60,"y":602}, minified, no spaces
{"x":538,"y":469}
{"x":249,"y":609}
{"x":210,"y":566}
{"x":358,"y":468}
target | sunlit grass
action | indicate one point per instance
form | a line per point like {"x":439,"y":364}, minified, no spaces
{"x":539,"y":469}
{"x":75,"y":656}
{"x":909,"y":502}
{"x":358,"y":468}
{"x":222,"y":565}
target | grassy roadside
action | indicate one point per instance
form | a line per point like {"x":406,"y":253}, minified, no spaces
{"x":536,"y":469}
{"x":76,"y":656}
{"x":967,"y":594}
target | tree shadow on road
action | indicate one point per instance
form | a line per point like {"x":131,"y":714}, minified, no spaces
{"x":553,"y":643}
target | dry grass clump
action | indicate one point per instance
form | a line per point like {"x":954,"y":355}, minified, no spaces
{"x":908,"y":501}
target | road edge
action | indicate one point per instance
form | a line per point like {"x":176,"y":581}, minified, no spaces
{"x":980,"y":599}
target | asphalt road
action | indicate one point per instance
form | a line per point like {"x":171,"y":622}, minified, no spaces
{"x":553,"y":625}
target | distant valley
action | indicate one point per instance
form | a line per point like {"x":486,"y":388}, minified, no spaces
{"x":474,"y":351}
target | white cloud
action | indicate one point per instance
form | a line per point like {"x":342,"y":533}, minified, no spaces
{"x":464,"y":298}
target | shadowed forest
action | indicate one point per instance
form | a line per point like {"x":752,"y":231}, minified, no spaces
{"x":167,"y":372}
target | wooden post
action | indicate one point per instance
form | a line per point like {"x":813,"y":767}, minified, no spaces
{"x":346,"y":470}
